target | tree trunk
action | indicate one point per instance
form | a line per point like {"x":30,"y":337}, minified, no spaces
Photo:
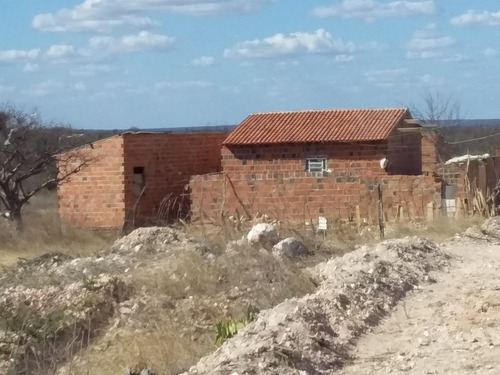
{"x":17,"y":218}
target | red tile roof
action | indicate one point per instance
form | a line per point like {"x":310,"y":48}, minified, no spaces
{"x":329,"y":125}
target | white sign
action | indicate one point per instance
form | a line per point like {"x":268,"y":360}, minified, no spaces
{"x":322,"y":223}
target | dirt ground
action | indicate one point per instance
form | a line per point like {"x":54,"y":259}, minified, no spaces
{"x":448,"y":327}
{"x":403,"y":306}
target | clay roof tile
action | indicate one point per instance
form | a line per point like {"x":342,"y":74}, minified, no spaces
{"x":328,"y":125}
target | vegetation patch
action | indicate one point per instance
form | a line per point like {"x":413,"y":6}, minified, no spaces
{"x":40,"y":327}
{"x":227,"y":328}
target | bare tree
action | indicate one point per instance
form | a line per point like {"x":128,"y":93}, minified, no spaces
{"x":437,"y":109}
{"x":28,"y":149}
{"x":438,"y":112}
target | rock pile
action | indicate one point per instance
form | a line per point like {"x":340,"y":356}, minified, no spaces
{"x":154,"y":239}
{"x":314,"y":334}
{"x":265,"y":236}
{"x":488,"y":231}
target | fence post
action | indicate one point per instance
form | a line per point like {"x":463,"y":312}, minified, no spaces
{"x":381,"y":224}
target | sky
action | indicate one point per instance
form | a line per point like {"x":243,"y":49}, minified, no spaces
{"x":117,"y":64}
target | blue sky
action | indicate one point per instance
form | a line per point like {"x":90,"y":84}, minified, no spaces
{"x":111,"y":64}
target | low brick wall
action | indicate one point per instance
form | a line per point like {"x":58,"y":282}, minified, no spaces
{"x":301,"y":198}
{"x":272,"y":180}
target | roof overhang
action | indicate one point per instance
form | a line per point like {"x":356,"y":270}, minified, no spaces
{"x":410,"y":130}
{"x":412,"y":121}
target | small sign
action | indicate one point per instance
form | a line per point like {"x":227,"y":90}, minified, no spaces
{"x":322,"y":223}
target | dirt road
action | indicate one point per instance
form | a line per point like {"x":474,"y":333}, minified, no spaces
{"x":448,"y":327}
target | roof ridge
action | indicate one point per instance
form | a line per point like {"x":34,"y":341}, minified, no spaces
{"x":330,"y":110}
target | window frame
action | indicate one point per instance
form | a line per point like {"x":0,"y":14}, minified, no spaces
{"x":317,"y":160}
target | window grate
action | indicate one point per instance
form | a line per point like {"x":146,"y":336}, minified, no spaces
{"x":316,"y":164}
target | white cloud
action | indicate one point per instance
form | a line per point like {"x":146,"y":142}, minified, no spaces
{"x":91,"y":15}
{"x":102,"y":46}
{"x":344,"y":58}
{"x":472,"y":17}
{"x":108,"y":15}
{"x":144,"y":41}
{"x":31,"y":68}
{"x":490,"y":52}
{"x":44,"y":88}
{"x":284,"y":64}
{"x":373,"y":46}
{"x":6,"y":89}
{"x":387,"y":78}
{"x":203,"y":61}
{"x":319,"y":41}
{"x":182,"y":85}
{"x":98,"y":47}
{"x":372,"y":9}
{"x":17,"y":54}
{"x":426,"y":44}
{"x":80,"y":86}
{"x":457,"y":57}
{"x":89,"y":70}
{"x":429,"y":80}
{"x":60,"y":53}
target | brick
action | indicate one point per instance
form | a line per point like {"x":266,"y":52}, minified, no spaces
{"x":169,"y":161}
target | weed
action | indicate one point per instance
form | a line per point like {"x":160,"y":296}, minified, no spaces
{"x":228,"y":328}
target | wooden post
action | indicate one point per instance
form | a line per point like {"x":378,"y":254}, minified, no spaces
{"x":358,"y":217}
{"x":430,"y":211}
{"x":380,"y":212}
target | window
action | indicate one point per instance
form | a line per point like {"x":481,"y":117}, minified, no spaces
{"x":316,"y":164}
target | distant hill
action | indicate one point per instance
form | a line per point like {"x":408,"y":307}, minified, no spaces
{"x":181,"y":129}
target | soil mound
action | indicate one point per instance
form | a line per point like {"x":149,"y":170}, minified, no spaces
{"x":315,"y":334}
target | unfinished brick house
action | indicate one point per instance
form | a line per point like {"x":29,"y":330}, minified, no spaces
{"x":300,"y":165}
{"x":135,"y":177}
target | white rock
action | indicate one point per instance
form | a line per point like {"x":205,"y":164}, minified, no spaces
{"x":263,"y":235}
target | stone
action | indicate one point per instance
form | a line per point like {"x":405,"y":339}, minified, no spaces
{"x":263,"y":235}
{"x":290,"y":247}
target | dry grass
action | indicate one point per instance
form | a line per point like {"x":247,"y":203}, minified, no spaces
{"x":46,"y":233}
{"x":180,"y":298}
{"x":440,"y":230}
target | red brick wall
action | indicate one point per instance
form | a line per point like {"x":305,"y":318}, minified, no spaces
{"x":405,"y":153}
{"x":433,"y":151}
{"x":301,"y":199}
{"x":261,"y":161}
{"x":95,"y":197}
{"x":103,"y":195}
{"x":271,"y":179}
{"x":169,"y":160}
